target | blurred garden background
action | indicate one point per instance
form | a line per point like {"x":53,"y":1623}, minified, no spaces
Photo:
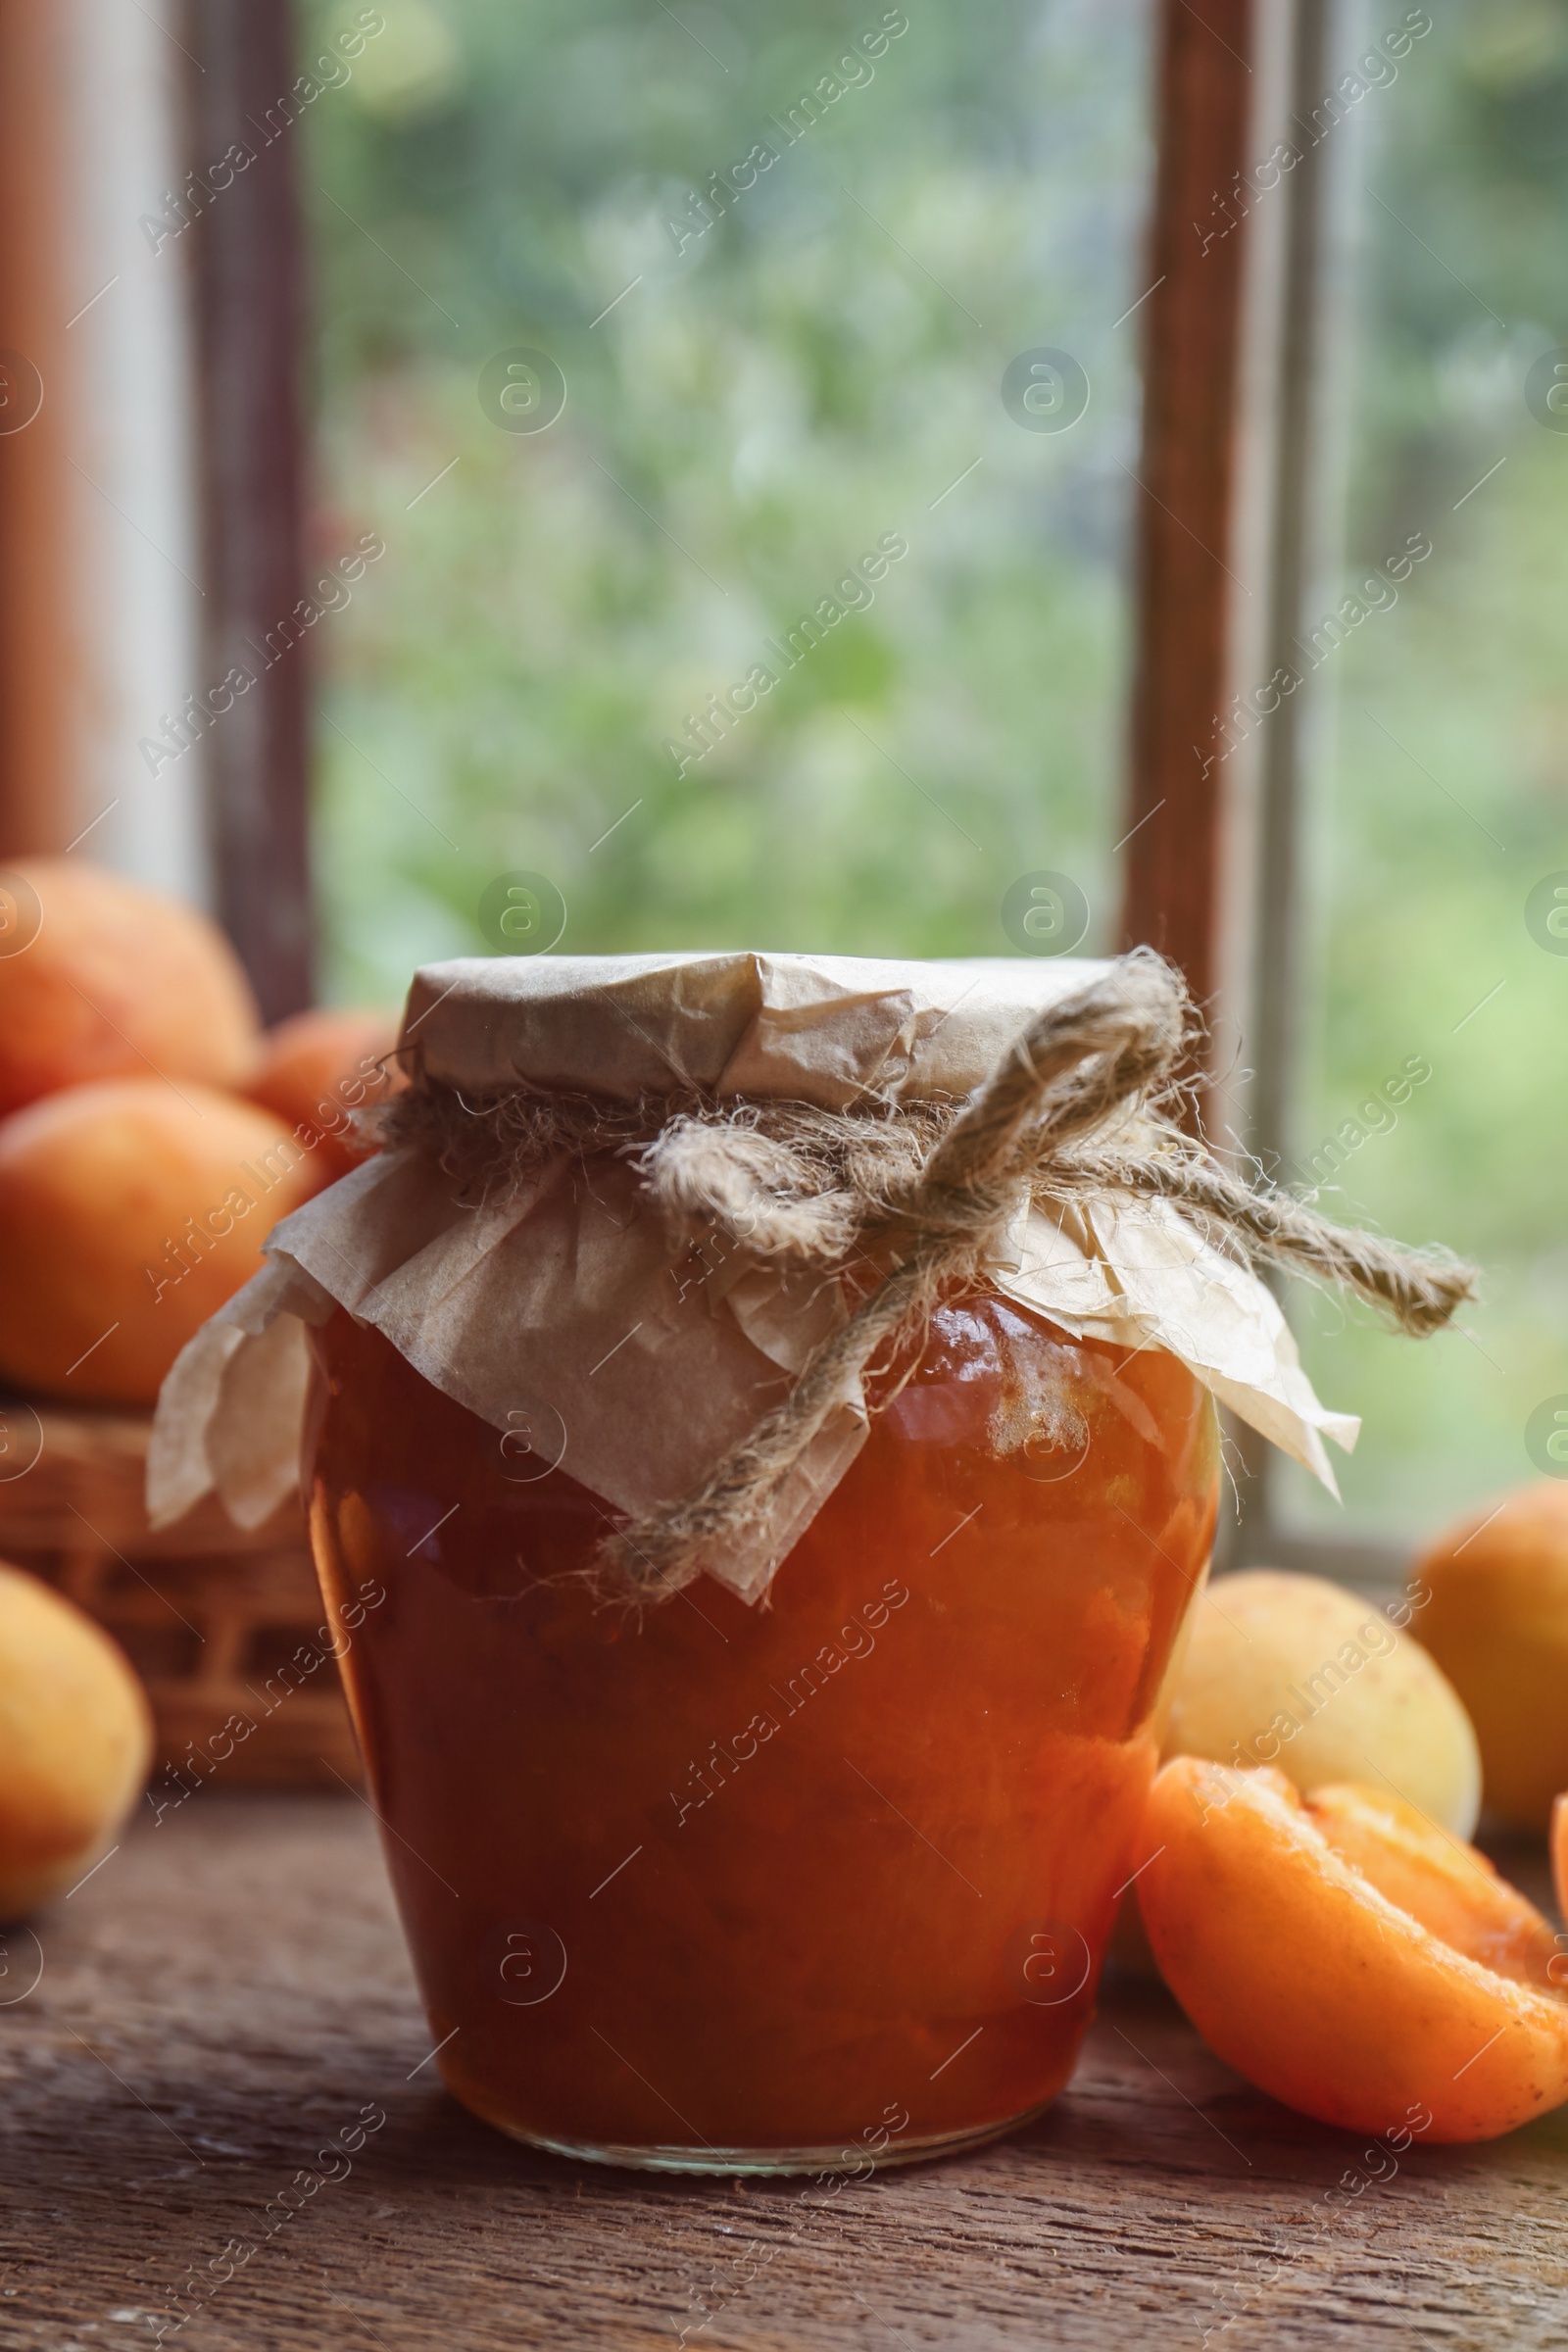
{"x":754,"y":404}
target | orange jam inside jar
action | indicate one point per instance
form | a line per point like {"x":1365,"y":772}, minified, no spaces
{"x":711,"y":1886}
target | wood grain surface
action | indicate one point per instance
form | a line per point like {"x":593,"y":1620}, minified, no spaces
{"x":250,"y":280}
{"x":1179,"y":804}
{"x":228,"y":1993}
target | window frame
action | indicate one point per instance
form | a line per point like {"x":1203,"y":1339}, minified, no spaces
{"x":1232,"y":330}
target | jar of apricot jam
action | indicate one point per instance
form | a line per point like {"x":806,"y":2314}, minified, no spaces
{"x":710,"y":1886}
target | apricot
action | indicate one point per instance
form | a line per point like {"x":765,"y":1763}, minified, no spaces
{"x":128,"y":1213}
{"x":1350,"y":1957}
{"x":75,"y":1741}
{"x":1496,"y":1621}
{"x":1294,"y":1671}
{"x":101,"y":978}
{"x":1448,"y":1886}
{"x":319,"y":1066}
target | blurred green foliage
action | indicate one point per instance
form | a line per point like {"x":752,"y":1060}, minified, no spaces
{"x":1443,"y":783}
{"x":763,"y":402}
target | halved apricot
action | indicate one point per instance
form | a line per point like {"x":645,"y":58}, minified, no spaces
{"x":1350,"y":1957}
{"x":1454,"y":1893}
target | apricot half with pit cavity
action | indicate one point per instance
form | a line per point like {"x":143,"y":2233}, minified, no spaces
{"x":1350,"y":1957}
{"x":1296,"y":1671}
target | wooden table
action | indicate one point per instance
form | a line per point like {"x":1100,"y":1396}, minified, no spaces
{"x":230,"y":1988}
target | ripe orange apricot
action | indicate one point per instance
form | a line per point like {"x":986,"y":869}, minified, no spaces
{"x":318,"y":1068}
{"x":76,"y":1742}
{"x":100,"y":978}
{"x":128,"y":1213}
{"x":1350,"y":1957}
{"x":1495,"y":1618}
{"x":1294,"y":1671}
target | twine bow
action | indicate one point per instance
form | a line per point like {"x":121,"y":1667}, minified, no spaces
{"x":1081,"y":1104}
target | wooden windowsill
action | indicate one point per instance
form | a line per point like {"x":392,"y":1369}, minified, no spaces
{"x":231,"y":1989}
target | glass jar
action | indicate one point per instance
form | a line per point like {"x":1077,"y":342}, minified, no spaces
{"x":708,"y":1887}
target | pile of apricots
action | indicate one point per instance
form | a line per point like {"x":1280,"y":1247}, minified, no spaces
{"x":1305,"y":1885}
{"x":150,"y":1135}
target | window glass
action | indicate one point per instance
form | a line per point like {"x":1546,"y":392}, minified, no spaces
{"x":725,"y":586}
{"x":1435,"y":1101}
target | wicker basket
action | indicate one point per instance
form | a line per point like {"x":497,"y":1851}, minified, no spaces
{"x":208,"y":1613}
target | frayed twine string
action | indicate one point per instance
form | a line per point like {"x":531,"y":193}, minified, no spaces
{"x":1082,"y":1104}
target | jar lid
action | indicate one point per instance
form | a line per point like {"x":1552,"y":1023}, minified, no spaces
{"x":831,"y":1030}
{"x":562,"y":1304}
